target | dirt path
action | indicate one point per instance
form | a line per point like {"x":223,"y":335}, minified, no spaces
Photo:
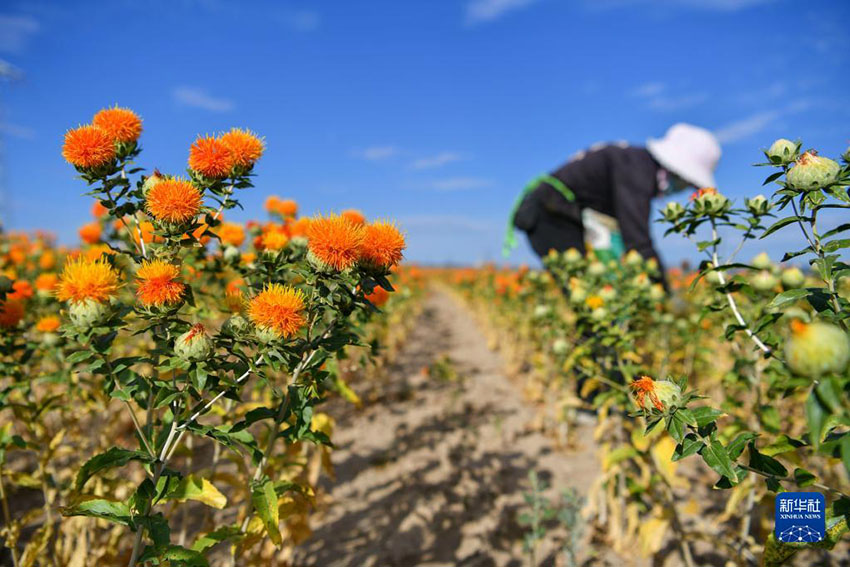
{"x":434,"y":472}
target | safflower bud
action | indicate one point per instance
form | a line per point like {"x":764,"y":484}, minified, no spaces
{"x":88,"y":313}
{"x":596,"y":268}
{"x":235,"y":325}
{"x":661,"y":394}
{"x":608,"y":293}
{"x":673,"y":211}
{"x":560,"y":347}
{"x":782,"y":151}
{"x":812,"y":172}
{"x":578,"y":295}
{"x":633,"y":258}
{"x":758,"y":205}
{"x":572,"y":256}
{"x":641,"y":281}
{"x":599,"y":314}
{"x":541,"y":311}
{"x":151,"y":181}
{"x":762,"y":261}
{"x":194,"y":345}
{"x":846,"y":155}
{"x":764,"y":281}
{"x":709,"y":202}
{"x":818,"y":348}
{"x":793,"y":278}
{"x":656,"y":292}
{"x":232,"y":254}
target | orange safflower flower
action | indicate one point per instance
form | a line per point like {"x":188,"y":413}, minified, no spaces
{"x":383,"y":245}
{"x":174,"y":200}
{"x":248,"y":257}
{"x":245,"y":147}
{"x":157,"y":284}
{"x":275,"y":239}
{"x":46,"y":281}
{"x":335,"y":241}
{"x":233,"y":300}
{"x":644,"y":387}
{"x":278,"y":308}
{"x":272,"y":203}
{"x":702,"y":192}
{"x":287,"y":208}
{"x":21,"y":290}
{"x":98,"y":210}
{"x":11,"y":313}
{"x":47,"y":260}
{"x":379,"y":296}
{"x":353,"y":215}
{"x":211,"y":158}
{"x":594,"y":302}
{"x":88,"y":146}
{"x":84,"y":279}
{"x":48,"y":324}
{"x":17,"y":255}
{"x":96,"y":251}
{"x":122,"y":124}
{"x":90,"y":233}
{"x":231,"y":233}
{"x":299,"y":227}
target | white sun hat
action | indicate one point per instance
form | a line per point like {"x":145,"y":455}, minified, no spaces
{"x":688,"y":151}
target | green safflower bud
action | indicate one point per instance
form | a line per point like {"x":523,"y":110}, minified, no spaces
{"x":194,"y":345}
{"x":541,"y":311}
{"x":151,"y":181}
{"x":572,"y":256}
{"x":599,"y":314}
{"x":641,"y":281}
{"x":89,"y":313}
{"x":673,"y":211}
{"x":818,"y":348}
{"x":266,"y":335}
{"x":596,"y":268}
{"x":812,"y":172}
{"x":578,"y":294}
{"x":232,"y":254}
{"x":608,"y":293}
{"x":782,"y":151}
{"x":708,"y":201}
{"x":758,"y":205}
{"x":560,"y":347}
{"x":235,"y":325}
{"x":633,"y":258}
{"x":764,"y":281}
{"x":793,"y":278}
{"x":762,"y":261}
{"x":656,"y":292}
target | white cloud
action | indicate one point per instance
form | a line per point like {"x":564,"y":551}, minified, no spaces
{"x":435,"y":161}
{"x":376,"y":153}
{"x":745,"y":127}
{"x":17,"y":131}
{"x":657,"y":96}
{"x":649,"y":89}
{"x":15,"y":32}
{"x":482,"y":11}
{"x":460,"y":184}
{"x":200,"y":98}
{"x":757,"y":122}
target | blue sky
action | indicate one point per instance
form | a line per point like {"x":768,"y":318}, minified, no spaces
{"x":432,"y":112}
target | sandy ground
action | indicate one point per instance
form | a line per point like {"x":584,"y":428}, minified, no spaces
{"x":433,"y":472}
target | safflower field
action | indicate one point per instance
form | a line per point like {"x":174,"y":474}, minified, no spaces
{"x":179,"y":389}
